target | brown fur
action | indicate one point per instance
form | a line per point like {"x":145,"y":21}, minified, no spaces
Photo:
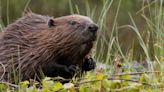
{"x":29,"y":44}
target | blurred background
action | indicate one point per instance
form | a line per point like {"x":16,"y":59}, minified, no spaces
{"x":111,"y":15}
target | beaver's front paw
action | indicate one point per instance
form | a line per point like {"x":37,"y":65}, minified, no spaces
{"x":89,"y":64}
{"x":70,"y":71}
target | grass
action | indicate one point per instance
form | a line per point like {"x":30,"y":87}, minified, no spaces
{"x":122,"y":73}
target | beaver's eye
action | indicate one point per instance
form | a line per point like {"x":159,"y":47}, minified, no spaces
{"x":51,"y":23}
{"x":73,"y":22}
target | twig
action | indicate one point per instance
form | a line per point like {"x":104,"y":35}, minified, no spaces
{"x":7,"y":83}
{"x":4,"y":70}
{"x":114,"y":79}
{"x":137,"y":73}
{"x":90,"y":81}
{"x":129,"y":80}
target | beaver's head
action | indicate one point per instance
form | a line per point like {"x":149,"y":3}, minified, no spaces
{"x":81,"y":26}
{"x":74,"y":31}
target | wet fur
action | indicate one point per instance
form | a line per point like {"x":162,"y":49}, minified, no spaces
{"x":33,"y":47}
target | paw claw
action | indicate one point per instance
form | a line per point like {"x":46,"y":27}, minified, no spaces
{"x":89,"y":64}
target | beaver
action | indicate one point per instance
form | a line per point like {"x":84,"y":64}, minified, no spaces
{"x":38,"y":44}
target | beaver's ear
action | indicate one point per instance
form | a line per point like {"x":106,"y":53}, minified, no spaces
{"x":51,"y":23}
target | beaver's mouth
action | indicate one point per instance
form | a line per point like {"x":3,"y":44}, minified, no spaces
{"x":93,"y":37}
{"x":91,"y":40}
{"x":88,"y":44}
{"x":89,"y":37}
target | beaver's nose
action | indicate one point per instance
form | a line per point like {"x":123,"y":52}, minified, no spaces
{"x":93,"y":27}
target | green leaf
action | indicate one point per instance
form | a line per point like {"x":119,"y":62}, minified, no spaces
{"x":68,"y":85}
{"x":100,"y":76}
{"x":128,"y":89}
{"x":144,"y":78}
{"x":46,"y":90}
{"x":90,"y":75}
{"x":115,"y":84}
{"x":24,"y":85}
{"x":31,"y":89}
{"x":3,"y":88}
{"x":106,"y":83}
{"x":83,"y":88}
{"x":47,"y":83}
{"x":57,"y":86}
{"x":152,"y":90}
